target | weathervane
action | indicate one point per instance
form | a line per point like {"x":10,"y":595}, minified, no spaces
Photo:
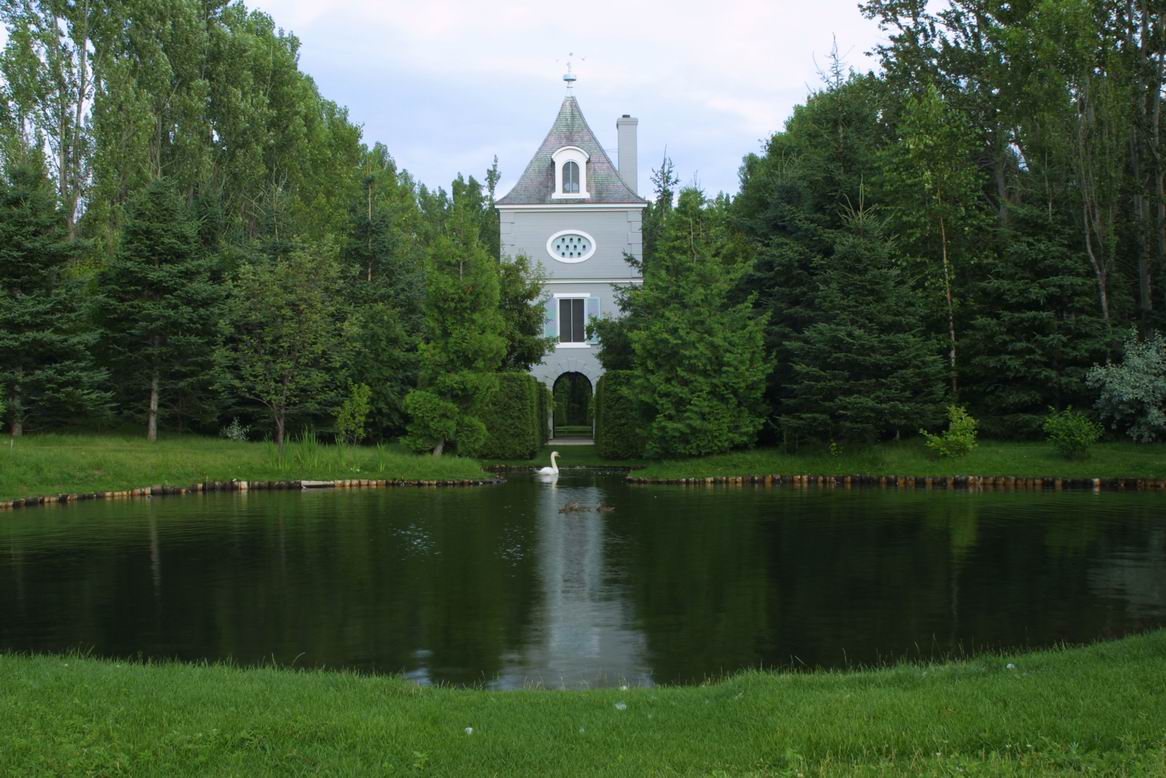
{"x":569,"y":76}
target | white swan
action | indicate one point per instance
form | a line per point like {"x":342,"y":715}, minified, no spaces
{"x":553,"y":469}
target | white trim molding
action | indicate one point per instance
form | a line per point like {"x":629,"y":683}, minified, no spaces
{"x":561,"y":158}
{"x":573,"y":207}
{"x":570,"y":260}
{"x":582,"y":281}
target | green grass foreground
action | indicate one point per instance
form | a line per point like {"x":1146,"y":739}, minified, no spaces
{"x":41,"y":465}
{"x":911,"y":458}
{"x":1099,"y":709}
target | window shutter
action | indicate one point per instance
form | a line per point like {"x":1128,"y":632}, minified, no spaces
{"x":593,"y":313}
{"x":551,"y":322}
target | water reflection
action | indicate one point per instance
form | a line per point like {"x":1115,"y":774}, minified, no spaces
{"x":581,"y":635}
{"x":501,"y":587}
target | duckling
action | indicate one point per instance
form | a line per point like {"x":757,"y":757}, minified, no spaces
{"x":605,"y":508}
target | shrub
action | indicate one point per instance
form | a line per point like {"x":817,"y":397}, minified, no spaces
{"x":1132,"y":394}
{"x":544,"y":400}
{"x":1071,"y":432}
{"x":233,"y":431}
{"x":353,"y":414}
{"x":510,"y":414}
{"x":434,"y":421}
{"x":960,"y":437}
{"x":619,"y":429}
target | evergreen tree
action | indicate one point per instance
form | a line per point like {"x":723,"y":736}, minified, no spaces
{"x":158,"y":306}
{"x":664,"y":182}
{"x":463,"y":344}
{"x":491,"y":224}
{"x":283,"y":341}
{"x":863,"y":369}
{"x":1036,"y":331}
{"x":521,"y":300}
{"x":384,"y":251}
{"x":614,"y":334}
{"x":44,"y":342}
{"x":792,"y":197}
{"x":699,"y":358}
{"x":383,"y":355}
{"x":385,"y":269}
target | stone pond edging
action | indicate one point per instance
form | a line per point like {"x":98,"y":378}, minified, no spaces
{"x":971,"y":482}
{"x":966,"y":482}
{"x":239,"y":486}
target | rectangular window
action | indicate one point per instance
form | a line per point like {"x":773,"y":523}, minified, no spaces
{"x":572,"y":318}
{"x":571,"y":178}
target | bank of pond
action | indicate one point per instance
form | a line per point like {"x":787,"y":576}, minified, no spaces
{"x":48,"y":466}
{"x":581,"y":580}
{"x":444,"y":608}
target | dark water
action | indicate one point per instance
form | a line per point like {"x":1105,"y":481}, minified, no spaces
{"x":495,"y":586}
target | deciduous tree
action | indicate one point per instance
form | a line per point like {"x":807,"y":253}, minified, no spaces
{"x":283,"y":344}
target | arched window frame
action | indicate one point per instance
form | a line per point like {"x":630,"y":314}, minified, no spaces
{"x":561,"y":158}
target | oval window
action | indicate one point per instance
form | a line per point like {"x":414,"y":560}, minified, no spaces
{"x":571,"y":246}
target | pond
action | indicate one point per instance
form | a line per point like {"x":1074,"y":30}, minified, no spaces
{"x":499,"y":587}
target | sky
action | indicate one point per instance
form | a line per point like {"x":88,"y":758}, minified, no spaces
{"x":448,"y":84}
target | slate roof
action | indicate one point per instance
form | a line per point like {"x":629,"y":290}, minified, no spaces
{"x":537,"y":182}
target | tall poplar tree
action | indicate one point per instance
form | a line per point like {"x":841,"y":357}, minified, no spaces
{"x":48,"y":68}
{"x":157,"y":304}
{"x":932,"y":180}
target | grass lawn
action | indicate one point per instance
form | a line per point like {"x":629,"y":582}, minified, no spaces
{"x":41,"y":465}
{"x":1099,"y":709}
{"x":569,"y":456}
{"x":910,"y":458}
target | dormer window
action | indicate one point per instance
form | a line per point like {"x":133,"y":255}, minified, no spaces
{"x":570,"y":178}
{"x":570,"y":173}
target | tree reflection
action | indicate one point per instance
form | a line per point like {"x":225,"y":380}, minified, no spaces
{"x":498,"y":587}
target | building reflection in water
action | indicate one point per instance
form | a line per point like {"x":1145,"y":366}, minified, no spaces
{"x":582,"y":635}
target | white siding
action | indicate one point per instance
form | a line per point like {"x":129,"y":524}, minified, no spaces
{"x":615,"y":232}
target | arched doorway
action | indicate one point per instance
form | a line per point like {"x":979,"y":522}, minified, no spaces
{"x":574,"y":412}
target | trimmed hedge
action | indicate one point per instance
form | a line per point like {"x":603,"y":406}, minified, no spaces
{"x":619,"y":431}
{"x":545,"y":401}
{"x":512,"y":415}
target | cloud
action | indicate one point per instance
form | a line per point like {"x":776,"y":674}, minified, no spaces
{"x":445,"y":84}
{"x":442,"y":81}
